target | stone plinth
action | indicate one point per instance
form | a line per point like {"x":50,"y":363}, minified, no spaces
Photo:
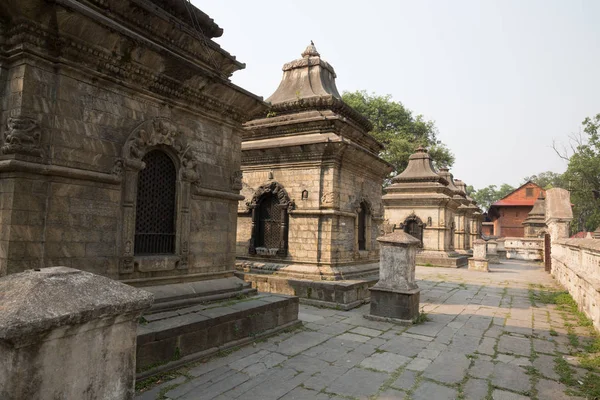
{"x":492,"y":252}
{"x":479,"y":262}
{"x":68,"y":334}
{"x":395,"y":297}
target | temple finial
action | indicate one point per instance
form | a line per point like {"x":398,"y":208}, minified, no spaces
{"x":310,"y":51}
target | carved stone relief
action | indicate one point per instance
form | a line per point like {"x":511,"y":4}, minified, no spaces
{"x":23,"y":136}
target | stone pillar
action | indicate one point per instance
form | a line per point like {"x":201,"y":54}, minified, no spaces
{"x":395,"y":297}
{"x":492,"y":252}
{"x":479,"y":261}
{"x":68,"y":334}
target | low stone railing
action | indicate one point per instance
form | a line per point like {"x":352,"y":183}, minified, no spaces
{"x":531,"y":249}
{"x":576,"y":265}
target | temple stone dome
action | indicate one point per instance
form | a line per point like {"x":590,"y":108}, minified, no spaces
{"x":306,"y":77}
{"x":419,"y":169}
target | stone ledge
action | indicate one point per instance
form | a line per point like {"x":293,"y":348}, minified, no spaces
{"x":343,"y":295}
{"x":198,"y":334}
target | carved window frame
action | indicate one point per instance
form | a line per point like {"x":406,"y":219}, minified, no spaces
{"x":286,"y":205}
{"x":412,"y":218}
{"x":156,"y":134}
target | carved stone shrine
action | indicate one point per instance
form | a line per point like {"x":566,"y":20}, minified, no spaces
{"x":395,"y":297}
{"x":421,"y":202}
{"x":479,"y":261}
{"x":312,"y":184}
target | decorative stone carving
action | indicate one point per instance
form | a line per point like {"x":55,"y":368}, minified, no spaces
{"x":328,"y":198}
{"x":236,"y":180}
{"x":158,"y":131}
{"x":277,"y":189}
{"x":23,"y":137}
{"x":118,"y":168}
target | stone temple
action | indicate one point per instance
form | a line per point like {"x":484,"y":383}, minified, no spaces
{"x":429,"y":206}
{"x":121,"y":156}
{"x":312,"y":184}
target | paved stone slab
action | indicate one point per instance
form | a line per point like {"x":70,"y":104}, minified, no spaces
{"x":430,"y":390}
{"x":475,"y":389}
{"x":448,"y":368}
{"x":418,"y":364}
{"x":481,"y":369}
{"x":357,"y":382}
{"x":545,"y":365}
{"x":300,"y":342}
{"x":353,"y":337}
{"x":387,"y":362}
{"x":360,"y":330}
{"x":511,"y":377}
{"x":405,"y":381}
{"x":544,"y":346}
{"x":504,"y":395}
{"x":405,"y":346}
{"x":514,"y":345}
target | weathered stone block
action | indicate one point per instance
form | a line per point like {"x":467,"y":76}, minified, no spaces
{"x":48,"y":334}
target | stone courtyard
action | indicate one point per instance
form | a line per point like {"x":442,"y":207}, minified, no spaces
{"x":485,"y":337}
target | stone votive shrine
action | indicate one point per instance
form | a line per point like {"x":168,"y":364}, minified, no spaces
{"x":68,"y":334}
{"x":479,"y":261}
{"x":492,"y":252}
{"x":395,"y":297}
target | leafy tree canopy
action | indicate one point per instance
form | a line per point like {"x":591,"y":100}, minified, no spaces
{"x":582,"y":177}
{"x":399,"y":130}
{"x":488,"y":195}
{"x":547,"y":180}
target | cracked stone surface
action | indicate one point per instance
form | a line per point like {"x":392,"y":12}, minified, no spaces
{"x":485,"y":339}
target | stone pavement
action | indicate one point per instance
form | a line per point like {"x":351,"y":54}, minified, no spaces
{"x":485,"y":339}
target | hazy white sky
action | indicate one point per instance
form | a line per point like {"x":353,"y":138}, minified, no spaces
{"x":501,"y":79}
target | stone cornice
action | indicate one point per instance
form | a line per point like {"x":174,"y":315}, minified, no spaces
{"x":27,"y":37}
{"x":322,"y":103}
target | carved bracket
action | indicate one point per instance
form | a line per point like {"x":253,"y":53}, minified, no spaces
{"x":23,"y":136}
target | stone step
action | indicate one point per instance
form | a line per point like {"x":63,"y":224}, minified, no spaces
{"x":178,"y":295}
{"x":187,"y":335}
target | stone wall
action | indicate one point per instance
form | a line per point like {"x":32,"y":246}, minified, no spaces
{"x":576,"y":266}
{"x":517,"y":248}
{"x":322,"y":226}
{"x":74,"y":135}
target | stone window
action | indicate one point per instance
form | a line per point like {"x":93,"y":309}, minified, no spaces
{"x":529,"y":192}
{"x":414,"y":227}
{"x":269,"y":206}
{"x":362,"y":227}
{"x":158,"y":175}
{"x":269,"y":222}
{"x":155,"y":208}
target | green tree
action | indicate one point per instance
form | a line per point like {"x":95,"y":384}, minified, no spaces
{"x":582,"y":177}
{"x":547,"y":180}
{"x":399,"y":130}
{"x":486,"y":196}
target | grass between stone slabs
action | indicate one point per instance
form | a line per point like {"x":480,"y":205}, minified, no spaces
{"x":587,"y":354}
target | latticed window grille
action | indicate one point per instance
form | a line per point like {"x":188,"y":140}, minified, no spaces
{"x":362,"y":228}
{"x":155,"y":210}
{"x":269,"y":223}
{"x":414,"y":229}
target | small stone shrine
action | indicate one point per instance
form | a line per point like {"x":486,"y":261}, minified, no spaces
{"x":535,"y":223}
{"x":462,"y":237}
{"x":312,"y":180}
{"x":395,"y":297}
{"x":420,"y":202}
{"x":57,"y":346}
{"x":479,"y":261}
{"x":492,"y":252}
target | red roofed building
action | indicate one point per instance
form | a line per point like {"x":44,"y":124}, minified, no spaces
{"x":509,"y":212}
